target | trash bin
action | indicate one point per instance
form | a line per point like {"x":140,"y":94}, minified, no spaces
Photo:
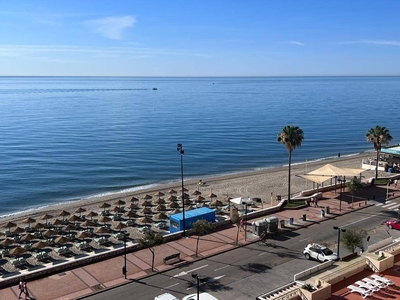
{"x":272,"y":224}
{"x":322,"y":213}
{"x":259,"y":227}
{"x":304,"y":218}
{"x":282,"y":223}
{"x":328,"y":210}
{"x":291,"y":220}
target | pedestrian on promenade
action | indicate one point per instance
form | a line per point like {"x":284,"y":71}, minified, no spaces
{"x":241,"y":225}
{"x":21,"y":288}
{"x":395,"y":183}
{"x":316,"y":202}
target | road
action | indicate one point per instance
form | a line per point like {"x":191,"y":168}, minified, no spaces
{"x":252,"y":270}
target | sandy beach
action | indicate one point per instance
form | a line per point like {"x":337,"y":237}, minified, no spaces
{"x":254,"y":184}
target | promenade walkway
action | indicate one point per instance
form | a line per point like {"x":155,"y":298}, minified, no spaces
{"x":106,"y":274}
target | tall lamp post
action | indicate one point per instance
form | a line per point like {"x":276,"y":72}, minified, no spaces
{"x":124,"y":267}
{"x":181,"y":152}
{"x":342,"y":184}
{"x":246,"y":202}
{"x":338,"y":240}
{"x":198,"y":278}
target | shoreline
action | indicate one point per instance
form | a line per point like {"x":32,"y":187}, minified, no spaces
{"x":257,"y":183}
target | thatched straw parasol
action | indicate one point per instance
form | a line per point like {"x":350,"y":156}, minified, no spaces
{"x":216,"y":202}
{"x":160,"y":207}
{"x":69,"y":227}
{"x":161,"y":216}
{"x":64,"y":213}
{"x":212,"y":195}
{"x":184,"y":189}
{"x":105,"y":219}
{"x":187,"y":202}
{"x":27,"y":237}
{"x":175,"y":211}
{"x":172,"y":198}
{"x":146,"y":211}
{"x":88,"y":223}
{"x":17,"y":251}
{"x":49,"y":232}
{"x":29,"y":221}
{"x":159,"y":194}
{"x":38,"y":225}
{"x":130,"y":214}
{"x":120,"y":226}
{"x":46,"y":217}
{"x":40,"y":245}
{"x":133,"y":206}
{"x":173,"y":205}
{"x":91,"y":215}
{"x":74,"y":218}
{"x":6,"y":242}
{"x":147,"y":197}
{"x":83,"y":234}
{"x":146,"y":220}
{"x":61,"y":240}
{"x":10,"y":224}
{"x":159,"y":201}
{"x":196,"y":193}
{"x":186,"y":196}
{"x":79,"y":211}
{"x":134,"y":199}
{"x":18,"y":230}
{"x":199,"y":199}
{"x":172,"y":192}
{"x":102,"y":230}
{"x":117,"y":209}
{"x":56,"y":222}
{"x":119,"y":203}
{"x":146,"y":203}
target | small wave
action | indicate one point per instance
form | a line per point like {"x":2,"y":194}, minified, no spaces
{"x":45,"y":91}
{"x":127,"y":190}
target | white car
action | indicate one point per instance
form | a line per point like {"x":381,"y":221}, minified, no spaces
{"x":202,"y":296}
{"x":166,"y":296}
{"x":320,"y":253}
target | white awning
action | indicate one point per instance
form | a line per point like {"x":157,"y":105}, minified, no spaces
{"x":241,"y":200}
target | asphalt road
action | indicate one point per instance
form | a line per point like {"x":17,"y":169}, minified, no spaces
{"x":249,"y":271}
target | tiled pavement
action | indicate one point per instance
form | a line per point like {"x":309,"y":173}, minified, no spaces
{"x":91,"y":278}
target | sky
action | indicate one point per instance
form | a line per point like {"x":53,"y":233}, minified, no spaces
{"x":199,"y":38}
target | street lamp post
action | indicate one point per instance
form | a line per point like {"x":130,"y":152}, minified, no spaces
{"x":195,"y":275}
{"x":181,"y":152}
{"x":246,"y":202}
{"x":124,"y":267}
{"x":342,"y":187}
{"x":338,"y":240}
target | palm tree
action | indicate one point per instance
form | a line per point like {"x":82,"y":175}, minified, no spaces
{"x":378,"y":136}
{"x":291,"y":137}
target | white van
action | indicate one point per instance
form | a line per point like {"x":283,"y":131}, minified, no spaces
{"x":166,"y":296}
{"x":202,"y":296}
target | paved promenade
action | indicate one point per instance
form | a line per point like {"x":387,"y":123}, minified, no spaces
{"x":106,"y":274}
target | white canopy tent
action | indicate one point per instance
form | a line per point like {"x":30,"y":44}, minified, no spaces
{"x":241,"y":200}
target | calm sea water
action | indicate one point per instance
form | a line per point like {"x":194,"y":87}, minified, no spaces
{"x":65,"y":138}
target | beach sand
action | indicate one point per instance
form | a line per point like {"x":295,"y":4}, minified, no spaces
{"x":254,"y":184}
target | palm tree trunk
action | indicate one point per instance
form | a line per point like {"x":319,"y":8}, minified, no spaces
{"x":377,"y":163}
{"x":197,"y":245}
{"x":290,"y":171}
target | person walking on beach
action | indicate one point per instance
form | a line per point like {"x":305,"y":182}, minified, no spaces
{"x":21,"y":288}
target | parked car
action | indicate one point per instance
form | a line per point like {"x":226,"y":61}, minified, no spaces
{"x":393,"y":224}
{"x":166,"y":296}
{"x":319,"y":252}
{"x":202,"y":296}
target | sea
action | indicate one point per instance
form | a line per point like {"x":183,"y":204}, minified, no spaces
{"x":69,"y":138}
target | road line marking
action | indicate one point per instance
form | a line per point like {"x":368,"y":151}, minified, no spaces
{"x":379,"y":204}
{"x":302,"y":240}
{"x":361,"y":220}
{"x":168,"y":287}
{"x":183,"y":273}
{"x":262,"y":253}
{"x":222,"y":268}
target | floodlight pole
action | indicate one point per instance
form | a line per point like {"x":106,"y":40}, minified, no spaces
{"x":179,"y":148}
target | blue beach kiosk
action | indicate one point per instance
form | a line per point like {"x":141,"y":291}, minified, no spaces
{"x":191,"y":216}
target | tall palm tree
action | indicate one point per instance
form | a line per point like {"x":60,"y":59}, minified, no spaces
{"x":291,"y":137}
{"x":378,"y":136}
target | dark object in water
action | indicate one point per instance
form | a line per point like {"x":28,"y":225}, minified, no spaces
{"x":154,"y":89}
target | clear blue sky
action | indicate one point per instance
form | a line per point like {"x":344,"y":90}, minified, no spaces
{"x":199,"y":38}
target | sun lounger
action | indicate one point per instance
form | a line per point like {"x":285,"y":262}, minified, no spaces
{"x":82,"y":245}
{"x":61,"y":250}
{"x":41,"y":255}
{"x":18,"y":261}
{"x":374,"y":282}
{"x":382,"y":279}
{"x":367,"y":286}
{"x":101,"y":240}
{"x":355,"y":289}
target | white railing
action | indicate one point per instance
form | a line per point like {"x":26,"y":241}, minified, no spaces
{"x":312,"y":270}
{"x":379,"y":245}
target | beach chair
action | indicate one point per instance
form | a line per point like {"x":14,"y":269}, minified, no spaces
{"x":367,"y":286}
{"x":382,"y":279}
{"x":374,"y":282}
{"x":355,"y":289}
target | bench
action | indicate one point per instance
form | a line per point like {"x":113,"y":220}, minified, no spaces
{"x":170,"y":259}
